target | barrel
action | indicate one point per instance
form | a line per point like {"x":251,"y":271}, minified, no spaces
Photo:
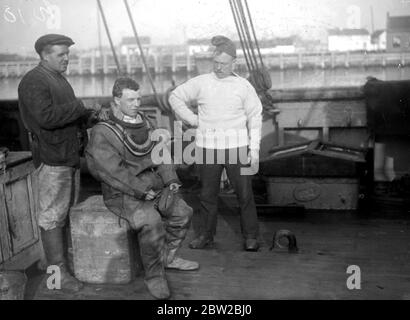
{"x":12,"y":285}
{"x":104,"y":249}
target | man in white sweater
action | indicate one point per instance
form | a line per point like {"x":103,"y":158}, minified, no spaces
{"x":228,"y":135}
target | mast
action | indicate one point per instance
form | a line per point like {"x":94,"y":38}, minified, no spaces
{"x":117,"y":63}
{"x":372,"y":18}
{"x":99,"y":30}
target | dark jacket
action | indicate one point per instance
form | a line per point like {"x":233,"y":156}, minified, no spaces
{"x":54,"y":116}
{"x":121,"y":171}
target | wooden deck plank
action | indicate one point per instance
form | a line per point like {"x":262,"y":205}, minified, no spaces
{"x":380,"y":247}
{"x":328,"y":244}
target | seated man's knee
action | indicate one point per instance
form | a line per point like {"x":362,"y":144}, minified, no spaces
{"x":153,"y":219}
{"x":147,"y":218}
{"x":152,"y":230}
{"x":185,"y":210}
{"x":181,"y":213}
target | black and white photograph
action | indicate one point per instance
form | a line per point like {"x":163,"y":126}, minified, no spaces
{"x":213,"y":152}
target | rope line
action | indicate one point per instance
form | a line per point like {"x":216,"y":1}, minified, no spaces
{"x":151,"y":81}
{"x":107,"y":30}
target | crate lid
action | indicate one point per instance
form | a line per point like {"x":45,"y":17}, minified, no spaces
{"x":95,"y":202}
{"x":313,"y":158}
{"x":319,"y":148}
{"x":15,"y":158}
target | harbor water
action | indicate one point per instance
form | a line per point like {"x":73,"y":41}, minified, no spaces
{"x":90,"y":86}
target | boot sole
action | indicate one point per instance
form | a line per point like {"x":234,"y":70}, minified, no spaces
{"x":207,"y":245}
{"x":179,"y":269}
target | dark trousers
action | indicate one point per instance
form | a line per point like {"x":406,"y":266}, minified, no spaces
{"x":210,"y":175}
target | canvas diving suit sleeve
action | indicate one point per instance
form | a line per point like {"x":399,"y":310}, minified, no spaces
{"x":104,"y":158}
{"x":168,"y":174}
{"x":50,"y":115}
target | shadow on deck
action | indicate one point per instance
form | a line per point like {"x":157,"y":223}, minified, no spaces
{"x":328,"y":244}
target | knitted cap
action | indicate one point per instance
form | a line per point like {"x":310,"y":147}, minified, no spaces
{"x":224,"y":44}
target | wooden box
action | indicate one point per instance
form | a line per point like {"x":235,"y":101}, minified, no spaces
{"x":333,"y":115}
{"x":103,"y":250}
{"x":314,"y":174}
{"x":20,"y":245}
{"x":314,"y":193}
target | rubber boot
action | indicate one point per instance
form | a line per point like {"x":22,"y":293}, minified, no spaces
{"x":201,"y":242}
{"x":251,"y":245}
{"x":158,"y":287}
{"x":174,"y":262}
{"x":54,"y":251}
{"x":151,"y":243}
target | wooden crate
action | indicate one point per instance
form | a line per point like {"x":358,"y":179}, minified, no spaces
{"x":313,"y":159}
{"x":103,"y":250}
{"x":20,"y":245}
{"x":315,"y":174}
{"x":336,"y":121}
{"x":314,"y":193}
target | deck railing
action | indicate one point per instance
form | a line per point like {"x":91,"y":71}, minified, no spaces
{"x":160,"y":63}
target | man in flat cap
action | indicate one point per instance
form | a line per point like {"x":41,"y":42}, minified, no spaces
{"x":56,"y":120}
{"x":228,"y":134}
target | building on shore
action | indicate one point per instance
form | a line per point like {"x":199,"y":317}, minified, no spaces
{"x":195,"y":46}
{"x":398,"y":33}
{"x":348,"y":40}
{"x":285,"y":45}
{"x":278,"y":46}
{"x":378,"y":40}
{"x":129,"y":46}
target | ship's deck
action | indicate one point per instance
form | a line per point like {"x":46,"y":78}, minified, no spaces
{"x":328,"y":243}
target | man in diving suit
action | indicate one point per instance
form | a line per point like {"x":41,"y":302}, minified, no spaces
{"x":119,"y":154}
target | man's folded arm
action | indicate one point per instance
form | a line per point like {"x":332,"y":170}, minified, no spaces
{"x":48,"y":114}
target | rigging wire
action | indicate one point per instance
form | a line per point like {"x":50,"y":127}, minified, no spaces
{"x":246,"y":28}
{"x":151,"y":81}
{"x":254,"y":34}
{"x":240,"y":35}
{"x":258,"y":75}
{"x":109,"y":37}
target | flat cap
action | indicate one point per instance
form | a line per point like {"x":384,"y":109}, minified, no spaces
{"x":51,"y":39}
{"x":224,"y":44}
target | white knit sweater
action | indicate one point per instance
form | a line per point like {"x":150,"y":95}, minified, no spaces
{"x":229,"y":111}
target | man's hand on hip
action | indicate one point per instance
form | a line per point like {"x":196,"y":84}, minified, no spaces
{"x":253,"y":161}
{"x":196,"y":123}
{"x":253,"y":157}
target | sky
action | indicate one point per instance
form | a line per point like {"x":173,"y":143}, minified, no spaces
{"x":174,"y":21}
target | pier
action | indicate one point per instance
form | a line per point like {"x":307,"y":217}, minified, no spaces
{"x":322,"y":60}
{"x":176,"y":61}
{"x":92,"y":64}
